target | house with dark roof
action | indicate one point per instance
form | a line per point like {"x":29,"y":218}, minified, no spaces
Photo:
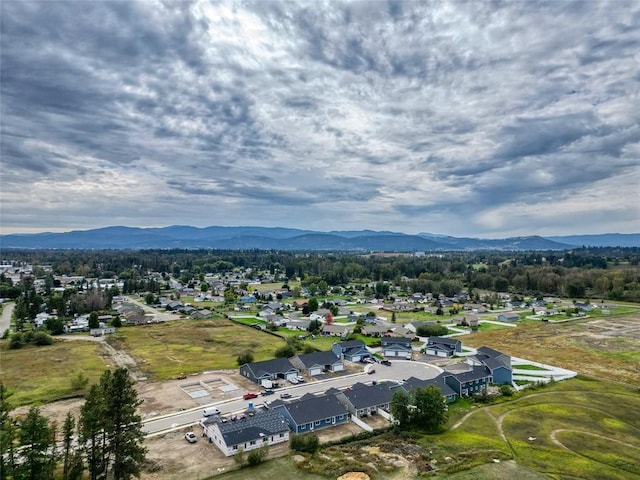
{"x":363,"y":400}
{"x":278,"y":368}
{"x":442,"y":346}
{"x":311,"y":412}
{"x":317,"y":362}
{"x":411,"y":384}
{"x":471,"y":382}
{"x":497,"y":362}
{"x":352,"y":351}
{"x":396,"y":347}
{"x":200,"y":314}
{"x":248,"y":431}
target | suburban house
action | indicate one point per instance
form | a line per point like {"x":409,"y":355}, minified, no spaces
{"x":403,"y":332}
{"x":311,"y":412}
{"x":498,"y":363}
{"x":508,"y":317}
{"x":412,"y":383}
{"x":248,"y":431}
{"x":374,"y":330}
{"x":336,"y":330}
{"x":174,"y":306}
{"x":317,"y":362}
{"x":363,"y":400}
{"x":297,"y":324}
{"x":352,"y":351}
{"x":396,"y":347}
{"x":276,"y":369}
{"x":469,"y":383}
{"x":442,"y":346}
{"x":200,"y":314}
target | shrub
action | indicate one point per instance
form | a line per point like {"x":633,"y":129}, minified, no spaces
{"x":245,"y":357}
{"x":506,"y":391}
{"x":116,"y":322}
{"x":305,"y":443}
{"x":16,"y":341}
{"x":257,"y":456}
{"x":42,"y":338}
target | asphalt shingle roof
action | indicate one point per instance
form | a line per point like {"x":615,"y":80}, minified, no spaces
{"x":270,"y":367}
{"x":253,"y":427}
{"x":363,"y":396}
{"x":318,"y":358}
{"x":309,"y":409}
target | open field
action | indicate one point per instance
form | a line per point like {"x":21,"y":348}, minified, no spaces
{"x":167,"y":350}
{"x":565,"y":430}
{"x":607,"y":348}
{"x":39,"y":375}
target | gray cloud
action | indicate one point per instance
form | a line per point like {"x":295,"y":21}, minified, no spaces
{"x":466,"y":118}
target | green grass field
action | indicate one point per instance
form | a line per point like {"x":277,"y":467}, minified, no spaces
{"x":565,"y":430}
{"x":37,"y":375}
{"x":171,"y":349}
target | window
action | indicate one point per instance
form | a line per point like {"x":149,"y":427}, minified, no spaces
{"x":252,"y":442}
{"x":235,"y":447}
{"x":317,"y":422}
{"x":281,"y":435}
{"x":327,"y":420}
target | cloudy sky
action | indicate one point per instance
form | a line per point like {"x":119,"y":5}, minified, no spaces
{"x":479,"y":118}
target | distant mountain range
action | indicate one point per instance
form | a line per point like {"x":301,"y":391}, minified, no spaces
{"x":263,"y":238}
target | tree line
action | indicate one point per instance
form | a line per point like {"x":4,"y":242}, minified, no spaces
{"x":106,"y":441}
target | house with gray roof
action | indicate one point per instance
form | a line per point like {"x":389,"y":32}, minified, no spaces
{"x":317,"y":362}
{"x":337,"y":330}
{"x":275,"y":369}
{"x":498,"y":363}
{"x":508,"y":317}
{"x":374,"y":330}
{"x":442,"y":346}
{"x":312,"y":412}
{"x":247,"y":431}
{"x":410,"y":385}
{"x":363,"y":400}
{"x":396,"y":347}
{"x":471,"y":382}
{"x":352,"y":351}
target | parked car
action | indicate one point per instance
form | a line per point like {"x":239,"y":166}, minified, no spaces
{"x":266,"y":392}
{"x":285,"y":395}
{"x":385,"y":362}
{"x":250,"y":395}
{"x":190,"y":437}
{"x":293,"y":381}
{"x":300,"y":379}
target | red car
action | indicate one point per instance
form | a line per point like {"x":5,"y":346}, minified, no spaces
{"x":250,"y":395}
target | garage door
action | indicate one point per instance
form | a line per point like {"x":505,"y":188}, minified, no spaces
{"x":291,"y":375}
{"x":356,"y":358}
{"x":338,"y":368}
{"x":315,"y":371}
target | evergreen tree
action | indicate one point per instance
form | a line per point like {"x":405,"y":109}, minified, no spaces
{"x":37,"y":441}
{"x":7,"y":435}
{"x":91,"y":430}
{"x":124,"y":426}
{"x":68,"y":429}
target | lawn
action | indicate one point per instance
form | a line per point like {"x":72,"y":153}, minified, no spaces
{"x":38,"y":375}
{"x":172,"y":349}
{"x":280,"y":468}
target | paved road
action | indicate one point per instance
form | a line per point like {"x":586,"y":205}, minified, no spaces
{"x":5,"y":319}
{"x":399,"y":370}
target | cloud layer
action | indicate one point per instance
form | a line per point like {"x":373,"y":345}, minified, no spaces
{"x":467,"y":118}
